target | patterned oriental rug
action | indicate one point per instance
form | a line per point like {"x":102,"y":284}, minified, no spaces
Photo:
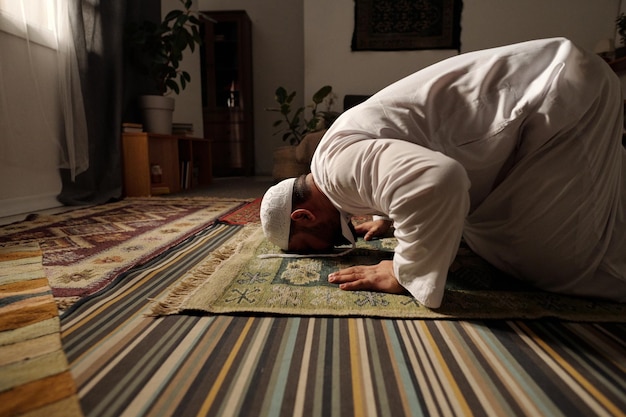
{"x":35,"y":378}
{"x":233,"y":279}
{"x":85,"y":250}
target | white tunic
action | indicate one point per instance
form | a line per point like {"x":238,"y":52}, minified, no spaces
{"x":516,"y":148}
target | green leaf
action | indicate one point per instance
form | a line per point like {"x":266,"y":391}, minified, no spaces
{"x":172,"y":86}
{"x":160,"y":60}
{"x":281,"y":95}
{"x":172,"y":15}
{"x":181,"y":42}
{"x":321,"y":94}
{"x":311,"y":124}
{"x":295,"y":124}
{"x":196,"y":35}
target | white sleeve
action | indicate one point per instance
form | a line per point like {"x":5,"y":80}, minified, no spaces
{"x":378,"y":217}
{"x":429,"y":209}
{"x":424,"y":192}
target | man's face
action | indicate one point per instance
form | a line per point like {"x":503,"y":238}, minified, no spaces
{"x":318,"y":241}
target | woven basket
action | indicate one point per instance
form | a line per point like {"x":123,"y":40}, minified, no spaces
{"x":285,"y":164}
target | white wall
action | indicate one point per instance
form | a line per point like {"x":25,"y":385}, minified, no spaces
{"x":484,"y":23}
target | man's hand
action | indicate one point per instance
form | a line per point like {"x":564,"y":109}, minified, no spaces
{"x":372,"y":228}
{"x":368,"y":278}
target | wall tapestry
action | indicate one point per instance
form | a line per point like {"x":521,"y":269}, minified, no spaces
{"x":392,"y":25}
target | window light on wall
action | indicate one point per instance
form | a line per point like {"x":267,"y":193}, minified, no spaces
{"x":30,"y":19}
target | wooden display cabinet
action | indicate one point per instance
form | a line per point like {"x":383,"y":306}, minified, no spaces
{"x":226,"y":60}
{"x":184,"y":162}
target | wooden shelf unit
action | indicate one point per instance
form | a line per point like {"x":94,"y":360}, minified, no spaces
{"x":172,"y":154}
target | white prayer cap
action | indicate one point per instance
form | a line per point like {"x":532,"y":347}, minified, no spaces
{"x":276,"y":213}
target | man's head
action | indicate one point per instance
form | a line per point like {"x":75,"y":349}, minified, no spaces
{"x":276,"y":213}
{"x":297,"y":217}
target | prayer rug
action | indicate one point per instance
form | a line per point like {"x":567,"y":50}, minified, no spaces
{"x":84,"y":250}
{"x":34,"y":373}
{"x":388,"y":25}
{"x":233,"y":279}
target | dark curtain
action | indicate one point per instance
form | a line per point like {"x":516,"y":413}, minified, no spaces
{"x":110,"y":88}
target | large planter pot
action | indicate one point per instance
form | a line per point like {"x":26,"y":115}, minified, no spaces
{"x":157,"y":112}
{"x":286,"y":165}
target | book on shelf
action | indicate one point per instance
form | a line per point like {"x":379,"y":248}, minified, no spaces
{"x":185,"y":175}
{"x":128,"y":127}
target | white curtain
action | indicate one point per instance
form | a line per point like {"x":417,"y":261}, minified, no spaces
{"x":42,"y":115}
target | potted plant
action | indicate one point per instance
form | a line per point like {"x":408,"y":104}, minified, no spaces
{"x":157,"y":50}
{"x":294,"y":125}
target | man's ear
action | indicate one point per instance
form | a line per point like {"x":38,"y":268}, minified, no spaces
{"x":302,"y":215}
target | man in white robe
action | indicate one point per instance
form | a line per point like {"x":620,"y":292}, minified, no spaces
{"x":517,"y":149}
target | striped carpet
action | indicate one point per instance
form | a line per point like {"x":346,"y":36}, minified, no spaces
{"x":128,"y":364}
{"x":35,"y":379}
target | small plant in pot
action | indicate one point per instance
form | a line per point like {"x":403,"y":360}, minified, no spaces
{"x":157,"y":50}
{"x":294,"y":126}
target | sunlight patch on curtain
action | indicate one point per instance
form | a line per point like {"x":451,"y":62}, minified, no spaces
{"x":42,"y":115}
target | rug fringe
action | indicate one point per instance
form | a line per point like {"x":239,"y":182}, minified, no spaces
{"x":196,"y":276}
{"x":63,"y":303}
